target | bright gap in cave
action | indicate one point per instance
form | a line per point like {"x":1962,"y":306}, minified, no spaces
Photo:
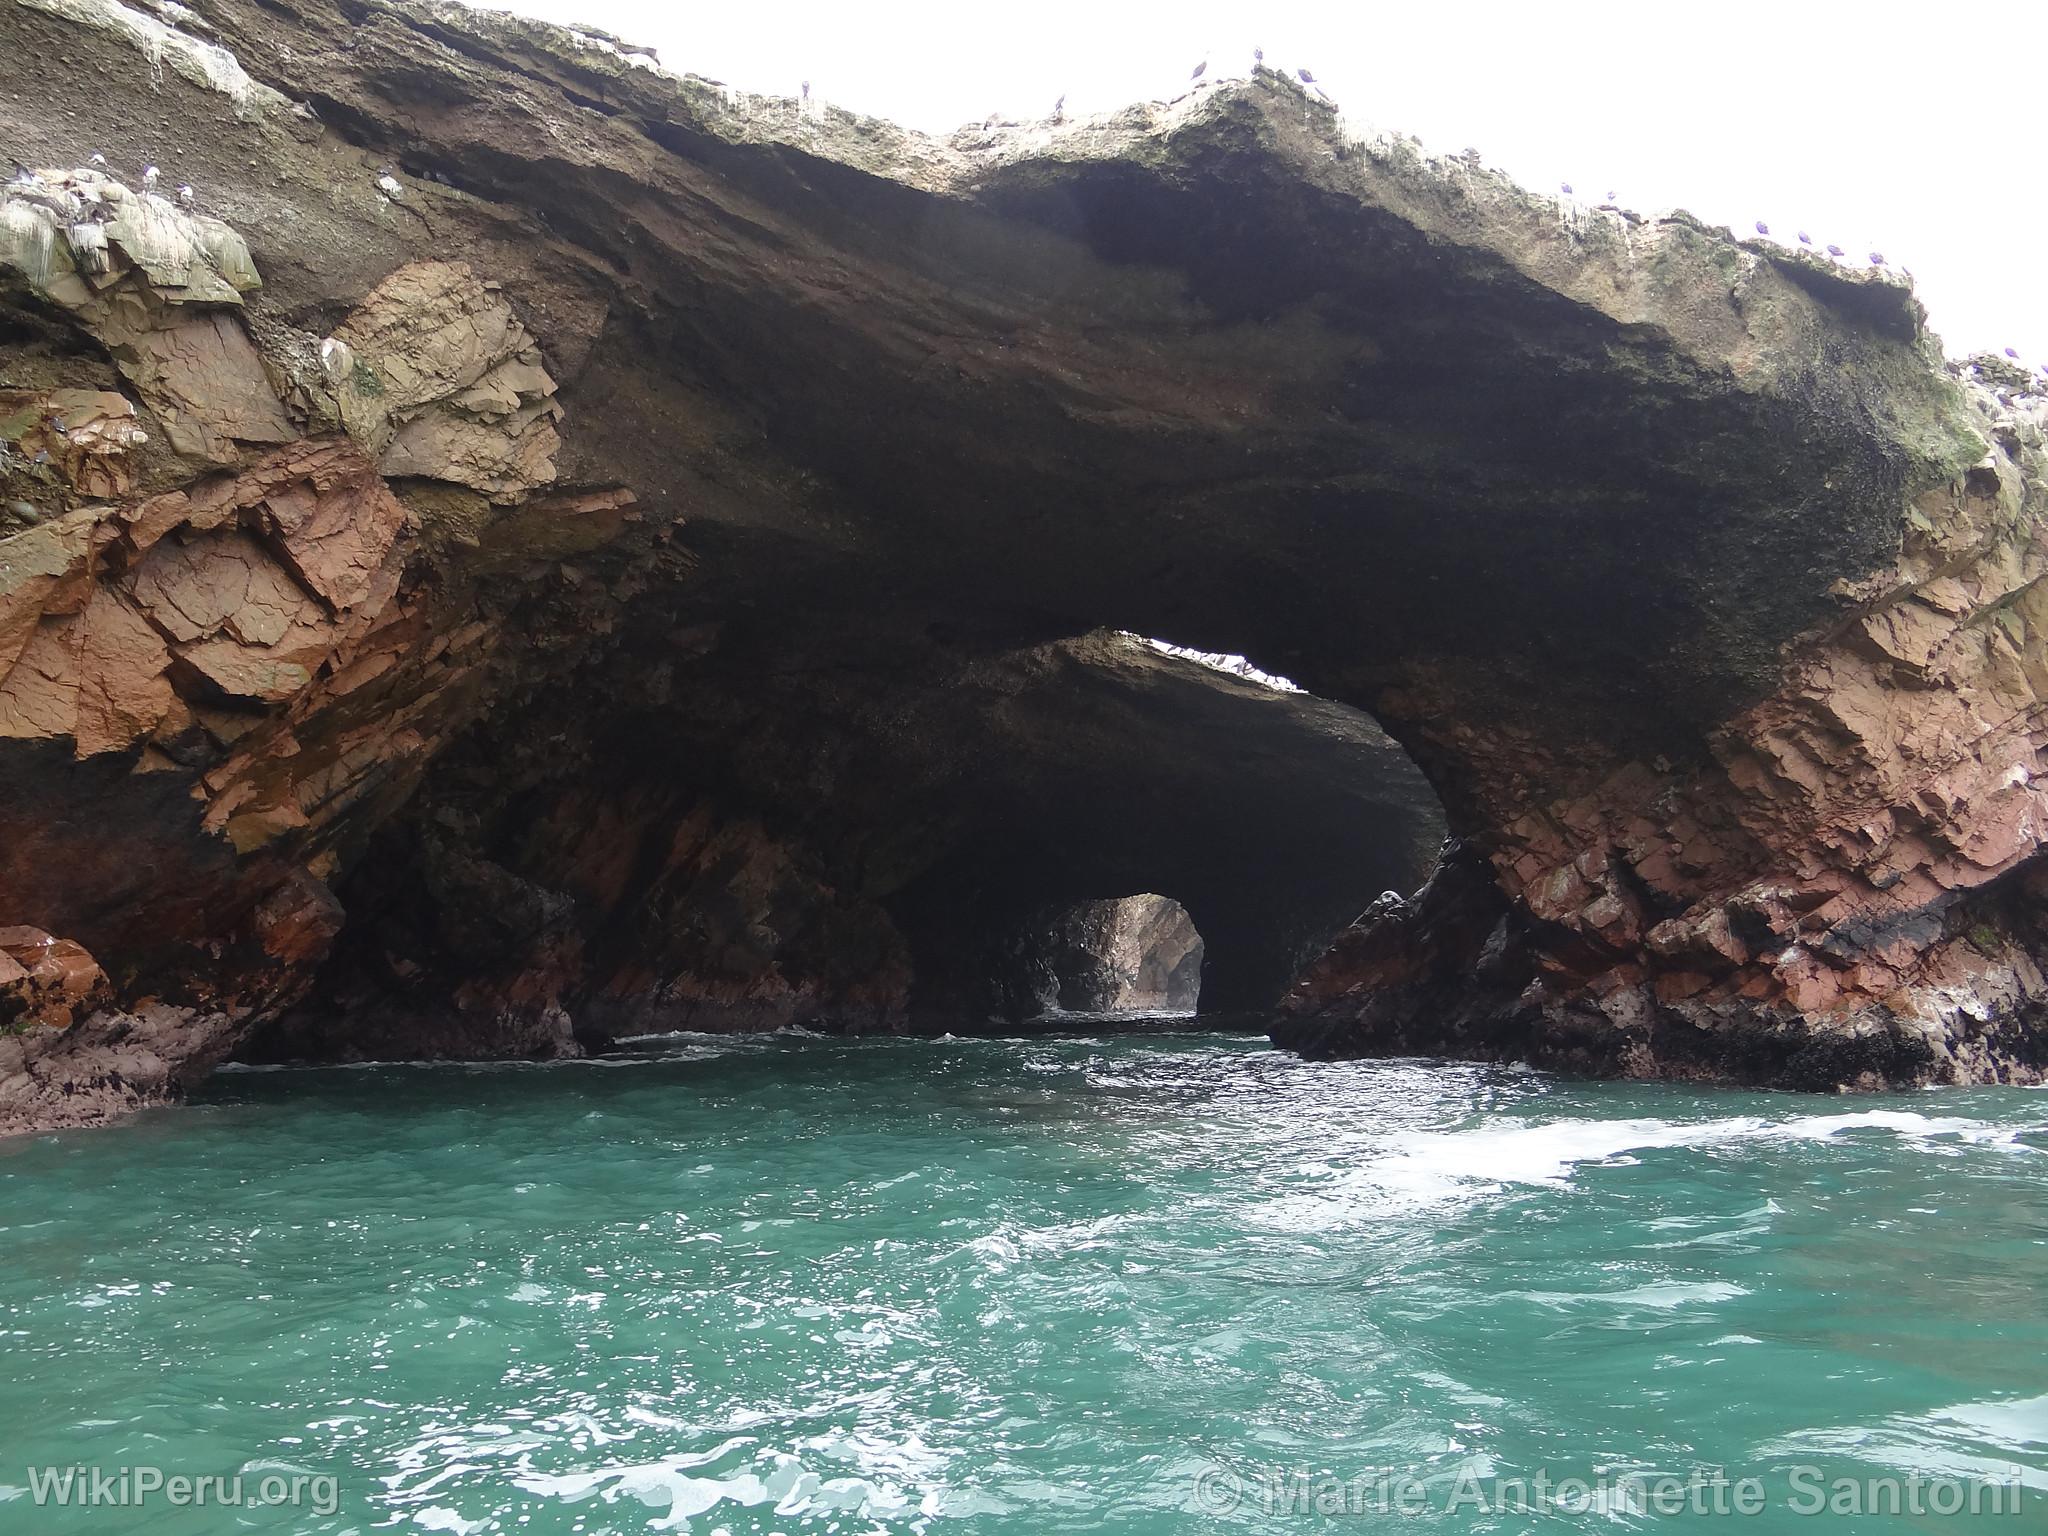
{"x":1122,"y":955}
{"x":1219,"y":661}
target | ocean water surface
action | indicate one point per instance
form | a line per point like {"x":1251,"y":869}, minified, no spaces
{"x":1156,"y":1283}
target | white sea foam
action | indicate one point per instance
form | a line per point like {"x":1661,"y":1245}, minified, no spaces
{"x":1548,"y":1153}
{"x":437,"y":1518}
{"x":2015,"y":1423}
{"x":672,"y":1483}
{"x":1411,"y":1169}
{"x":1992,"y":1441}
{"x":1660,"y":1296}
{"x":691,"y":1048}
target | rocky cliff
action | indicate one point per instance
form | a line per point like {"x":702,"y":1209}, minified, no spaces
{"x":502,"y":543}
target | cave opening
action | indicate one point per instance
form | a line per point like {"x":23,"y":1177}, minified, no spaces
{"x":1058,"y":781}
{"x":1106,"y":825}
{"x":1108,"y":957}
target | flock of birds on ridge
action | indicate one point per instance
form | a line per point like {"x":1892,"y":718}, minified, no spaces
{"x":390,"y":187}
{"x":1307,"y":78}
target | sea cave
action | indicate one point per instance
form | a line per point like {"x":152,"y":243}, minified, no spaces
{"x":517,"y":561}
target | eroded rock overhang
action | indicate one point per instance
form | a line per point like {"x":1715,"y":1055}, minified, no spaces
{"x":1696,"y":584}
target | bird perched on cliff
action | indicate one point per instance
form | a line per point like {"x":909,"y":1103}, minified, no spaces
{"x":150,"y":177}
{"x":337,"y":359}
{"x":1258,"y":60}
{"x":1565,"y":187}
{"x":1200,"y":70}
{"x":1805,"y":238}
{"x":1836,"y":251}
{"x":96,"y":159}
{"x":388,"y":184}
{"x":1306,"y":77}
{"x":185,"y":194}
{"x":1762,"y":228}
{"x":2011,"y":353}
{"x":1877,"y":258}
{"x":807,"y":92}
{"x":1059,"y":110}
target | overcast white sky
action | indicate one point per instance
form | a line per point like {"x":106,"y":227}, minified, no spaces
{"x":1914,"y":130}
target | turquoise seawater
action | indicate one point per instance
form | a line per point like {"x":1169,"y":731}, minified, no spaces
{"x":1165,"y":1283}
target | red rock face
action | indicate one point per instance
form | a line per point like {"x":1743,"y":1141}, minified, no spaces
{"x":1840,"y":859}
{"x":47,"y":982}
{"x":244,"y":642}
{"x":70,"y":1056}
{"x":238,"y":658}
{"x":1844,"y":861}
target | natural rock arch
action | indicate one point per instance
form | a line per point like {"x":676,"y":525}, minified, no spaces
{"x":1138,"y":954}
{"x":539,"y":523}
{"x":857,"y":848}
